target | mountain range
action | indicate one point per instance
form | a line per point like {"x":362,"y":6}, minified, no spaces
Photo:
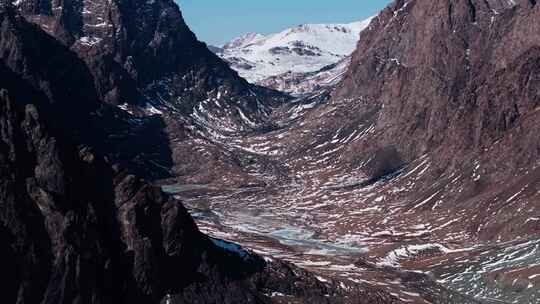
{"x":137,"y":166}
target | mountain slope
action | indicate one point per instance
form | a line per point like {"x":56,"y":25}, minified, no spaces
{"x":419,"y":175}
{"x":434,"y":88}
{"x":437,"y":113}
{"x":303,"y":49}
{"x":171,"y":88}
{"x":450,"y":102}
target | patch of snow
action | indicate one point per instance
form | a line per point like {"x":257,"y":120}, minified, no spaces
{"x":427,"y":200}
{"x":321,"y":279}
{"x":89,"y":41}
{"x":277,"y":294}
{"x":168,"y":299}
{"x":245,"y":118}
{"x":150,"y":109}
{"x":393,"y":257}
{"x":125,"y":107}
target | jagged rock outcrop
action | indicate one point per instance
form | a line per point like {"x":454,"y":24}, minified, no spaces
{"x":79,"y":230}
{"x":77,"y":95}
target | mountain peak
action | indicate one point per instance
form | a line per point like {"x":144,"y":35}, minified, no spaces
{"x":243,"y":40}
{"x":301,"y":49}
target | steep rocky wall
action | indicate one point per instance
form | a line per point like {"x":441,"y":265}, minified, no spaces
{"x":450,"y":76}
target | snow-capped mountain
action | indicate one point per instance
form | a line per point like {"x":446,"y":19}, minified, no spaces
{"x":303,"y":49}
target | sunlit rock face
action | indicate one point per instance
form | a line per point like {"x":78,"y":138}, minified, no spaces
{"x":456,"y":81}
{"x":442,"y":72}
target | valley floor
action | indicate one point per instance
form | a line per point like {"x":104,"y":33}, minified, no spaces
{"x":304,"y":204}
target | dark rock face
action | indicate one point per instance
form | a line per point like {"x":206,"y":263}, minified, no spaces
{"x":143,"y":58}
{"x":67,"y":84}
{"x":80,"y":231}
{"x":130,"y":45}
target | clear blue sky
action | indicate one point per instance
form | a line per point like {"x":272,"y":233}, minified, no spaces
{"x":218,"y":21}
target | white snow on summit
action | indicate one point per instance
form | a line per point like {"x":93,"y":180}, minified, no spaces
{"x":305,"y":48}
{"x":243,"y":41}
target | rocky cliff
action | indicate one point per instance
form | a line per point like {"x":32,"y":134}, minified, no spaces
{"x":129,"y":45}
{"x":458,"y":74}
{"x":145,"y":60}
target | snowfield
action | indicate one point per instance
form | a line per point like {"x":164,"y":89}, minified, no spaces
{"x":302,"y":49}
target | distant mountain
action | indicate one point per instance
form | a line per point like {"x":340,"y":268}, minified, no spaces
{"x":215,"y":49}
{"x":273,"y":59}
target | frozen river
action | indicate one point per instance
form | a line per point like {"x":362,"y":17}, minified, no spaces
{"x":261,"y":223}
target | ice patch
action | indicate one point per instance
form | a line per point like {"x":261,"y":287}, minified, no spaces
{"x":234,"y":248}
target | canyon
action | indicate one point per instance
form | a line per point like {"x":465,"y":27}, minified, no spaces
{"x":138,"y":166}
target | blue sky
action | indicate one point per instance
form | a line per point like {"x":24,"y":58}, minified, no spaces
{"x":218,"y":21}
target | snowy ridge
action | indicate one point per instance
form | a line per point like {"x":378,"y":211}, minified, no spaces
{"x":302,"y":49}
{"x":243,"y":41}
